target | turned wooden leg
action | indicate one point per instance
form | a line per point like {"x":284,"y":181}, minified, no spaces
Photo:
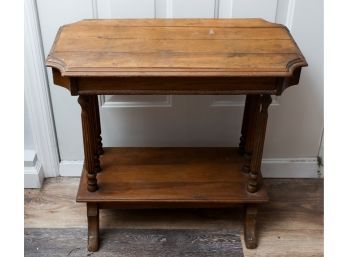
{"x":250,"y":226}
{"x":255,"y":177}
{"x":249,"y":129}
{"x":88,"y":140}
{"x":93,"y":226}
{"x":96,"y":133}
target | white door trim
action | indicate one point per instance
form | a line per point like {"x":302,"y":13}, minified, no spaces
{"x":33,"y":173}
{"x":36,"y":92}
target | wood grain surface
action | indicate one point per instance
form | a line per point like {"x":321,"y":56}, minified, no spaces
{"x":152,"y":176}
{"x":291,"y":225}
{"x":174,"y":47}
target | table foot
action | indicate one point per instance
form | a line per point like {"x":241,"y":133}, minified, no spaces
{"x":93,"y":226}
{"x":250,"y":227}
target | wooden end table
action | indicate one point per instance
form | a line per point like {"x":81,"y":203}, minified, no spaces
{"x":249,"y":57}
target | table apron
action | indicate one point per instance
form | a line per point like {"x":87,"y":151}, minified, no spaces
{"x":168,"y":85}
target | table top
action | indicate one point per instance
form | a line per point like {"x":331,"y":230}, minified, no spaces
{"x":176,"y":48}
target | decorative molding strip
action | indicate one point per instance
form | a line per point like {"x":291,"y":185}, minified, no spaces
{"x":231,"y":103}
{"x":216,"y":8}
{"x":231,"y":9}
{"x":271,"y":168}
{"x":95,"y":9}
{"x":275,"y":11}
{"x":169,"y":8}
{"x":161,"y":9}
{"x":155,"y":9}
{"x":102,"y":9}
{"x":290,"y":14}
{"x":131,"y":104}
{"x":224,"y":8}
{"x":33,"y":172}
{"x":36,"y":92}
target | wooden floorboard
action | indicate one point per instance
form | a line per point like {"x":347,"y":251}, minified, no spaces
{"x":291,"y":224}
{"x":134,"y":242}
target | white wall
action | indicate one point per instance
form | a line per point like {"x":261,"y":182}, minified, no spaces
{"x":296,"y":118}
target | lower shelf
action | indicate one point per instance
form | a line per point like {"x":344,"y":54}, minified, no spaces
{"x":170,"y":177}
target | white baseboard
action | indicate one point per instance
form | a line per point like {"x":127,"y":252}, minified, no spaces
{"x":271,"y":168}
{"x":33,"y":171}
{"x":70,"y":168}
{"x":290,"y":168}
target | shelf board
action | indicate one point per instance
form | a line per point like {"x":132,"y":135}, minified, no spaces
{"x":170,"y":177}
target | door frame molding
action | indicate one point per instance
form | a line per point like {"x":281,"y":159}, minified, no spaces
{"x":37,"y":95}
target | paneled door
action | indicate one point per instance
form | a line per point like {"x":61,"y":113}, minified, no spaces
{"x":296,"y":118}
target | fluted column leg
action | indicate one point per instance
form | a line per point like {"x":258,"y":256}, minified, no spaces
{"x":96,"y":132}
{"x":244,"y":125}
{"x":86,"y":103}
{"x":249,"y":124}
{"x":259,"y":137}
{"x":99,"y":138}
{"x":246,"y":120}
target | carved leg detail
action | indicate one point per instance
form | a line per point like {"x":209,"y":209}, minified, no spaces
{"x":246,"y":117}
{"x":255,"y":177}
{"x":96,"y":133}
{"x":99,"y":138}
{"x":249,"y":129}
{"x":93,"y":226}
{"x":250,"y":237}
{"x":88,"y":141}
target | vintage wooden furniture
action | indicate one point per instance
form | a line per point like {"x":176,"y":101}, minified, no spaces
{"x":165,"y":57}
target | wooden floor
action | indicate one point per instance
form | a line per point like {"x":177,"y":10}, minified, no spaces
{"x":120,"y":242}
{"x":290,"y":225}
